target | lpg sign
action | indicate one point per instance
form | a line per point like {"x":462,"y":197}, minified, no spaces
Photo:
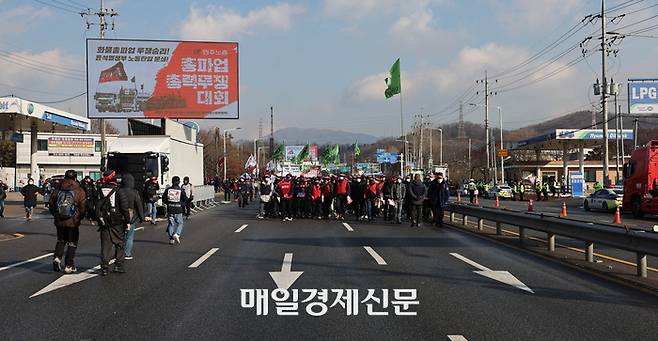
{"x":643,"y":97}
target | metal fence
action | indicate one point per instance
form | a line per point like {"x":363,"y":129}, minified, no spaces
{"x":204,"y":194}
{"x":642,"y":244}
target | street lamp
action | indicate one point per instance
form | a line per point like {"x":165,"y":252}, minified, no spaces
{"x":225,"y":155}
{"x":502,"y":158}
{"x":441,"y":150}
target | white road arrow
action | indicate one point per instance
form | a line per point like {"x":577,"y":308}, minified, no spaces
{"x":285,"y":278}
{"x":500,"y":276}
{"x":66,"y":280}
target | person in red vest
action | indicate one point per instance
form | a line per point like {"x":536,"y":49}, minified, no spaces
{"x":316,"y":199}
{"x":327,"y":189}
{"x":284,"y":192}
{"x":342,"y":190}
{"x":370,"y":194}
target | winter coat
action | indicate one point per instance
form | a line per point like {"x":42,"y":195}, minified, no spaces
{"x":29,"y":193}
{"x":398,"y":191}
{"x":416,"y":192}
{"x":174,"y":197}
{"x":356,"y":191}
{"x":441,"y":195}
{"x":80,"y":198}
{"x":135,"y":206}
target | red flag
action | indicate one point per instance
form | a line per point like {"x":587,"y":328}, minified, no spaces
{"x":115,"y":73}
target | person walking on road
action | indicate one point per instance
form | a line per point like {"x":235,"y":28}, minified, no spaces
{"x":90,"y":193}
{"x":112,"y":212}
{"x":284,"y":192}
{"x":441,"y":195}
{"x":416,"y":193}
{"x":3,"y":197}
{"x":68,"y":205}
{"x":151,"y":188}
{"x":342,"y":190}
{"x":135,"y":210}
{"x":174,"y":198}
{"x":471,"y":187}
{"x":521,"y":190}
{"x":188,"y":188}
{"x":266,"y":189}
{"x":398,"y":193}
{"x":29,"y":193}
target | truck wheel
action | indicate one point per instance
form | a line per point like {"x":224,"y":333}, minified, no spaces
{"x":586,"y":205}
{"x":636,"y":207}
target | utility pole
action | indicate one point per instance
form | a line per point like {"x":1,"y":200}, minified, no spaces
{"x":486,"y":125}
{"x":271,"y":131}
{"x":420,"y":148}
{"x":617,"y":111}
{"x":621,"y":128}
{"x":502,"y":159}
{"x":470,"y":170}
{"x":102,"y":27}
{"x":604,"y":97}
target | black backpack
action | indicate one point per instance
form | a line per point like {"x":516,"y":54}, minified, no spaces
{"x":66,"y":207}
{"x":108,"y":214}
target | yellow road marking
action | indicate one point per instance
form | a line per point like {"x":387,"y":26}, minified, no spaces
{"x":16,"y":236}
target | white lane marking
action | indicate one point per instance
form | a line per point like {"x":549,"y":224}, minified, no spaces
{"x":203,"y":258}
{"x":66,"y":280}
{"x":241,"y":228}
{"x":457,"y":338}
{"x":348,"y":227}
{"x":139,"y":228}
{"x":25,"y":262}
{"x":466,"y":260}
{"x":501,"y":276}
{"x":375,"y":256}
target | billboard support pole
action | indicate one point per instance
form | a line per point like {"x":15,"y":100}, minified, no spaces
{"x":604,"y":97}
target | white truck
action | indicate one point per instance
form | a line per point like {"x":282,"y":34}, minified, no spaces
{"x":162,"y":156}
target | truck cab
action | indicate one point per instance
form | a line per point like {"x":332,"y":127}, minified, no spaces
{"x":641,"y":181}
{"x":141,"y":165}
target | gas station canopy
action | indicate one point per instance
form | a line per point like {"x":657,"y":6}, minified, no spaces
{"x":557,"y":139}
{"x":20,"y":115}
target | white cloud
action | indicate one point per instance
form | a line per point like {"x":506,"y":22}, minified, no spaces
{"x":524,"y":15}
{"x":19,"y":19}
{"x":54,"y":59}
{"x":356,"y":8}
{"x":219,"y":22}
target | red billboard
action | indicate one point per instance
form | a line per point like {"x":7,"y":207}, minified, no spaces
{"x":162,"y":79}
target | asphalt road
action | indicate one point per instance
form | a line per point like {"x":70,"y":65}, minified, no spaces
{"x":162,"y":298}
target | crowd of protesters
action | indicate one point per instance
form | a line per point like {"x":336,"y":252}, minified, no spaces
{"x":412,"y":199}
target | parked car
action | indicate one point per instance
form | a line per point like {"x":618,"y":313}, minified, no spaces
{"x":502,"y":191}
{"x":607,"y":199}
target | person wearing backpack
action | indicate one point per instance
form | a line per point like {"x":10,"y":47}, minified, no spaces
{"x":174,"y":198}
{"x":3,"y":197}
{"x":135,"y":209}
{"x":112,"y":212}
{"x":68,"y":204}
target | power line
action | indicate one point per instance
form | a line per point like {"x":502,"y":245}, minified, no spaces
{"x":56,"y":6}
{"x":51,"y":102}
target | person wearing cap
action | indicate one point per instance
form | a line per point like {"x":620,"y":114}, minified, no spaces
{"x":174,"y":198}
{"x":151,"y":188}
{"x":68,"y":205}
{"x":112,"y":212}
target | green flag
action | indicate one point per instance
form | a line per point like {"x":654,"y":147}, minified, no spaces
{"x":335,"y":153}
{"x":357,"y":150}
{"x":393,"y":83}
{"x":278,"y":153}
{"x":303,"y":154}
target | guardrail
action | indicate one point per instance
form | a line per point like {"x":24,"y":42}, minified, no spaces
{"x":642,"y":244}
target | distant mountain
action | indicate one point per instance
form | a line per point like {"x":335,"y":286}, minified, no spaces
{"x":292,"y":136}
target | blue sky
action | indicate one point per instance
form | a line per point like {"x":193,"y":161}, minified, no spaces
{"x":322,"y":63}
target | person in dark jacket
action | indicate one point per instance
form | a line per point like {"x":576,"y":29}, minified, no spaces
{"x":29,"y":193}
{"x":151,"y":188}
{"x":3,"y":195}
{"x":67,"y":225}
{"x":439,"y":199}
{"x":135,"y":209}
{"x":398,"y":194}
{"x":90,"y":193}
{"x":356,"y":193}
{"x":386,"y":197}
{"x":416,"y":193}
{"x":113,"y":214}
{"x":174,"y":198}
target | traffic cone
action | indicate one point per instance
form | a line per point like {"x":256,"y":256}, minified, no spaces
{"x":531,"y":205}
{"x":563,"y":214}
{"x":477,"y":202}
{"x":459,"y":197}
{"x":497,"y":202}
{"x":617,"y":219}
